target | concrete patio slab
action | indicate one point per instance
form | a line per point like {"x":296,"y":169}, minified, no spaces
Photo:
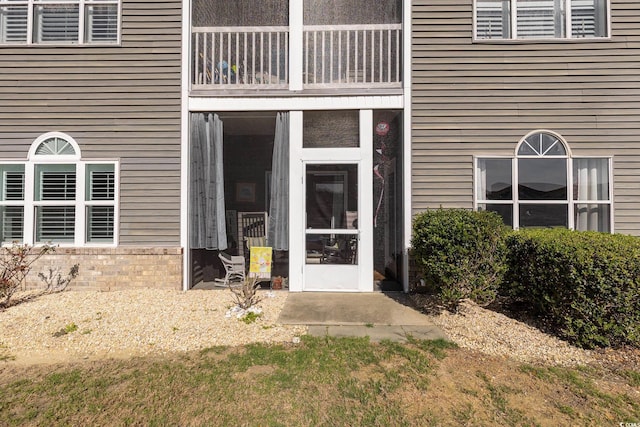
{"x":376,"y":315}
{"x":377,"y":333}
{"x":336,"y":308}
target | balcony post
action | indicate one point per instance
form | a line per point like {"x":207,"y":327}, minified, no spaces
{"x":296,"y":17}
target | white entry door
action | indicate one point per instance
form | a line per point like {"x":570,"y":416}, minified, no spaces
{"x":336,"y":210}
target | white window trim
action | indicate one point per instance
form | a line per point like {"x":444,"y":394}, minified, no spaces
{"x":83,"y":204}
{"x":59,"y":158}
{"x":80,"y":202}
{"x":514,"y":28}
{"x":570,"y":201}
{"x":82,"y":19}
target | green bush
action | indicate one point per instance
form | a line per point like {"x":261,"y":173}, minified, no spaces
{"x":586,"y":285}
{"x":460,"y":253}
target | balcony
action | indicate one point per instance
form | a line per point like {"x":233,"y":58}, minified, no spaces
{"x":334,"y":57}
{"x":240,"y":58}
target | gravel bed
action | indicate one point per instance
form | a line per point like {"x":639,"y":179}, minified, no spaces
{"x":133,"y":323}
{"x":150,"y":321}
{"x":489,"y":332}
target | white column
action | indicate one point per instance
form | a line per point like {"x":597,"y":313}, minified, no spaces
{"x":406,"y":143}
{"x":296,"y":17}
{"x":296,"y":203}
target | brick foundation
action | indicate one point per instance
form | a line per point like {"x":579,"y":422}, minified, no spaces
{"x":114,"y":268}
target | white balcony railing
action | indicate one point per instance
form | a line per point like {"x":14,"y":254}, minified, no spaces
{"x":240,"y":57}
{"x":364,"y":56}
{"x":352,"y":55}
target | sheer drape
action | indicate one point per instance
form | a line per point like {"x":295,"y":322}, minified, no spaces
{"x":278,"y":234}
{"x":482,"y":179}
{"x":208,"y":227}
{"x":592,"y":182}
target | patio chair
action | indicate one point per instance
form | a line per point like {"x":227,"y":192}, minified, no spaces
{"x":254,"y":230}
{"x":233,"y":267}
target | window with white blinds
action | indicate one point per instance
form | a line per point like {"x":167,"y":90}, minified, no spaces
{"x":100,"y":196}
{"x":59,"y":22}
{"x":12,"y":203}
{"x":55,"y":224}
{"x":13,"y":185}
{"x":13,"y":23}
{"x":101,"y":184}
{"x":102,"y":23}
{"x":56,"y":182}
{"x":100,"y":220}
{"x":56,"y":197}
{"x":541,"y":19}
{"x":12,"y":223}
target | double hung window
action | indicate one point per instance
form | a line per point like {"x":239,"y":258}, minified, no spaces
{"x":56,"y":197}
{"x":99,"y":200}
{"x":12,"y":202}
{"x":54,"y":202}
{"x":541,"y":19}
{"x":59,"y":21}
{"x":543,"y":186}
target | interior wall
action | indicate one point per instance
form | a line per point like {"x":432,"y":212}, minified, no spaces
{"x":246,"y":159}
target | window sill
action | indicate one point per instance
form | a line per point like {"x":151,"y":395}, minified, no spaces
{"x":543,"y":40}
{"x":56,"y":45}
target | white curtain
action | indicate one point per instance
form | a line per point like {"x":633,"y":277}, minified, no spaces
{"x":278,"y":233}
{"x":592,"y":182}
{"x":208,"y":227}
{"x":481,"y":189}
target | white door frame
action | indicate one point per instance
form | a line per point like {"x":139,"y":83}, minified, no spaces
{"x":363,"y":156}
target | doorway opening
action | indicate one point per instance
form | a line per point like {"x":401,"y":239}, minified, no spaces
{"x":238,"y":193}
{"x":388,"y":204}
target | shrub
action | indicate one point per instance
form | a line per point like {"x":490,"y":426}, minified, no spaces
{"x":246,"y":295}
{"x":55,"y":282}
{"x":586,"y":285}
{"x":460,"y":253}
{"x":15,"y":264}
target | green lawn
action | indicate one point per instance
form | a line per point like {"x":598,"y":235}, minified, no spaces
{"x":321,"y":381}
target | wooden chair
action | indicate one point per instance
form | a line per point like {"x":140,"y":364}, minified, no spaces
{"x":253,"y":226}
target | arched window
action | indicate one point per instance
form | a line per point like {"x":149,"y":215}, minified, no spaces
{"x":544,"y":186}
{"x":55,"y":146}
{"x":541,"y":143}
{"x":57,"y":197}
{"x":543,"y":182}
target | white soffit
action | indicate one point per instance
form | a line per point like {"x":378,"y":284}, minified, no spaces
{"x":296,"y":104}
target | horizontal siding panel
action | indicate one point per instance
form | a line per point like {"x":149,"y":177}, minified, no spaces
{"x":91,"y":52}
{"x":162,"y":215}
{"x":115,"y":98}
{"x":85,"y":66}
{"x":135,"y":239}
{"x":120,"y":73}
{"x":118,"y":110}
{"x":143,"y":192}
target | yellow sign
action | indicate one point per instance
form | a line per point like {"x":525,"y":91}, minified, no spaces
{"x":260,"y":262}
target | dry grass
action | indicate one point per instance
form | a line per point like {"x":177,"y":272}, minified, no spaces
{"x":321,"y":381}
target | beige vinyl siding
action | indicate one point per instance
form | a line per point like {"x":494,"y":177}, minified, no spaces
{"x":118,"y":102}
{"x":480,"y":98}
